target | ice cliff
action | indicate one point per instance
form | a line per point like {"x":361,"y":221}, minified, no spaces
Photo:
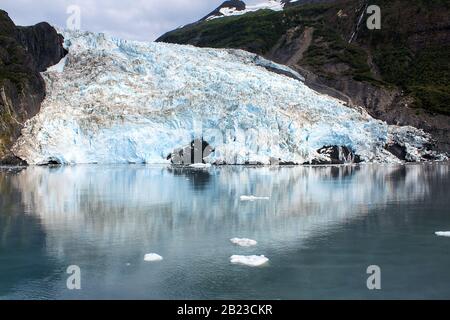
{"x":116,"y":101}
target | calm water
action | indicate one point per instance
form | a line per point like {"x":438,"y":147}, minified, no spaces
{"x":321,"y":229}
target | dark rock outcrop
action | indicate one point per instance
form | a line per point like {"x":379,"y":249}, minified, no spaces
{"x":12,"y":160}
{"x":193,"y":153}
{"x":397,"y":150}
{"x":24,"y":53}
{"x":337,"y":155}
{"x":43,"y":43}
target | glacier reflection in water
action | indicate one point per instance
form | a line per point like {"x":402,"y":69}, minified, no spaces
{"x":318,"y":222}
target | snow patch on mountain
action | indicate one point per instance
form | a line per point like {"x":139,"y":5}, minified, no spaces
{"x":117,"y":101}
{"x":226,"y":11}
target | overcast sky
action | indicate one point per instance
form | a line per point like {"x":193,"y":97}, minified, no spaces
{"x":128,"y":19}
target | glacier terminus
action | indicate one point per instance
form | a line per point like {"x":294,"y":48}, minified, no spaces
{"x":116,"y":101}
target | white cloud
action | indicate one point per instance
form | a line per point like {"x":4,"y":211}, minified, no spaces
{"x":133,"y":19}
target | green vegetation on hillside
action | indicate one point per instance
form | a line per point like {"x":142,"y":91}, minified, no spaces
{"x":411,"y":51}
{"x":255,"y":31}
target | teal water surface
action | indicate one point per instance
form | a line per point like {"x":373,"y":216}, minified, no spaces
{"x":321,"y":228}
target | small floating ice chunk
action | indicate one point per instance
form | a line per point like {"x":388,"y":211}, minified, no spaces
{"x":251,"y":261}
{"x":152,"y":257}
{"x":443,"y":233}
{"x":244,"y":242}
{"x":253,"y":198}
{"x":200,"y":165}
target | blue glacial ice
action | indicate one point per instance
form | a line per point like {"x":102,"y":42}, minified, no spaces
{"x":117,"y":101}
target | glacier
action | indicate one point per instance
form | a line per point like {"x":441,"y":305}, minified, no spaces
{"x":117,"y":101}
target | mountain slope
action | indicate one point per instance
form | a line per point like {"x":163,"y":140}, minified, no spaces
{"x":24,"y":52}
{"x":400,"y":73}
{"x":116,"y":101}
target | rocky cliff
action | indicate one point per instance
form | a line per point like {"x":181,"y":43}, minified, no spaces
{"x":24,"y":53}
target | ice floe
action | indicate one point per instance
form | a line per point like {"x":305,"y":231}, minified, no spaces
{"x":151,"y":257}
{"x":200,"y":165}
{"x":244,"y":242}
{"x":253,"y":198}
{"x":251,"y":261}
